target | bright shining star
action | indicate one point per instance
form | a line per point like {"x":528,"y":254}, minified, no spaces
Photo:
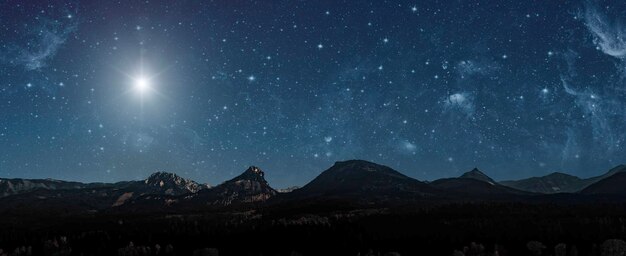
{"x":142,"y":84}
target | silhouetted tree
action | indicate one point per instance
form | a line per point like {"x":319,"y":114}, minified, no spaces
{"x":23,"y":251}
{"x":535,"y":248}
{"x":560,"y":250}
{"x":573,"y":251}
{"x":169,"y":249}
{"x":206,"y":252}
{"x":613,"y":247}
{"x":476,"y":249}
{"x":57,"y":247}
{"x":132,"y":250}
{"x":458,"y":253}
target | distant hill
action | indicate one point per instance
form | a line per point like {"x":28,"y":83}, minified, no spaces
{"x":363,"y":180}
{"x":474,"y":183}
{"x":157,"y":183}
{"x":10,"y":187}
{"x":62,"y":197}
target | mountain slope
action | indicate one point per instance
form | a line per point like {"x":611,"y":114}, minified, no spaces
{"x":288,"y":189}
{"x":613,"y":185}
{"x":615,"y":170}
{"x":551,"y":183}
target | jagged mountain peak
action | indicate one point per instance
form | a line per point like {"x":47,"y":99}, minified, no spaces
{"x":160,"y":178}
{"x":163,"y":175}
{"x":248,"y":187}
{"x":477,"y":175}
{"x":253,"y":170}
{"x":172,"y":183}
{"x":253,"y":173}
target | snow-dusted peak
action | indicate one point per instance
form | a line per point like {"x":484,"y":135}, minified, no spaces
{"x":173,"y":184}
{"x":477,"y":175}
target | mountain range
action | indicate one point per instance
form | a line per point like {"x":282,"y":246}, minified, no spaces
{"x":560,"y":182}
{"x":354,"y":180}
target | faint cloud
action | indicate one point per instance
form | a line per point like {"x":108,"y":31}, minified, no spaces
{"x":408,"y":146}
{"x":467,"y":68}
{"x":403,"y":146}
{"x":461,"y":101}
{"x":571,"y":150}
{"x":38,"y":45}
{"x":608,"y":37}
{"x":174,"y":139}
{"x":599,"y":111}
{"x":138,"y":140}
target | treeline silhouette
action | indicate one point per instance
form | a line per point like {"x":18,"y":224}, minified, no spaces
{"x":462,"y":228}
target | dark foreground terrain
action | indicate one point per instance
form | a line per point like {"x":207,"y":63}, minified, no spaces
{"x":354,"y":208}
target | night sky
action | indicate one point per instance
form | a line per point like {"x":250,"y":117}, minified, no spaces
{"x":105,"y":91}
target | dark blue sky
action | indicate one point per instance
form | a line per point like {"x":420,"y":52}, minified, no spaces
{"x":430,"y":88}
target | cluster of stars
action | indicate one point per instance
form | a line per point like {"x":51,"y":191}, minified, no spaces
{"x":426,"y":86}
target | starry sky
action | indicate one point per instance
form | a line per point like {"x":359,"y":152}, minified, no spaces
{"x":116,"y":90}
